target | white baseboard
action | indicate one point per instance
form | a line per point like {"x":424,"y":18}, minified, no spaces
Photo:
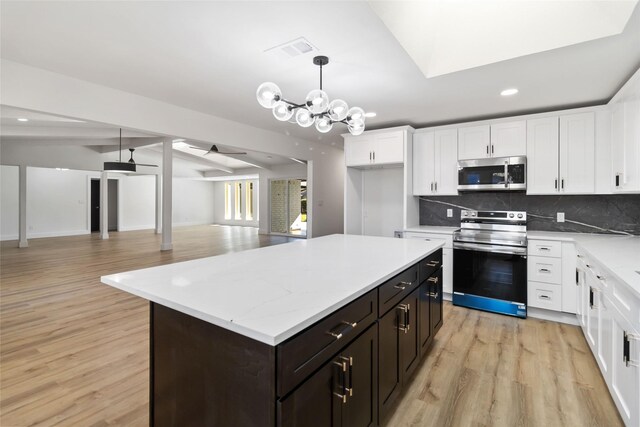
{"x":38,"y":235}
{"x":137,"y":227}
{"x":9,"y":237}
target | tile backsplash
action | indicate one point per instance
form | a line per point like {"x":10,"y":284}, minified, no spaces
{"x":583,"y":214}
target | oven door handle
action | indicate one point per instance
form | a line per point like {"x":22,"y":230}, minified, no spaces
{"x":512,"y":250}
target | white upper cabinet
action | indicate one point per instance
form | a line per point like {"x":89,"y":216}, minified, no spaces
{"x":383,"y":148}
{"x":509,"y":139}
{"x":435,"y":157}
{"x":625,"y":146}
{"x":423,"y":163}
{"x":473,"y":142}
{"x":542,"y":156}
{"x":577,"y":154}
{"x":561,"y":154}
{"x":497,"y":140}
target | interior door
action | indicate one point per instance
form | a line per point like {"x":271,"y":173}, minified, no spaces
{"x":95,"y":205}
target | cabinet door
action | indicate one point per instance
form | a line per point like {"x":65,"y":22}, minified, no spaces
{"x":423,"y":163}
{"x":582,"y":304}
{"x":424,"y":317}
{"x":625,"y":146}
{"x":603,"y":354}
{"x":625,"y":377}
{"x":569,"y":285}
{"x":593,"y":296}
{"x":389,"y":379}
{"x":446,"y":162}
{"x":361,"y":409}
{"x":316,"y":401}
{"x":388,"y":147}
{"x":435,"y":282}
{"x":358,"y":151}
{"x":577,"y":154}
{"x":473,"y":142}
{"x":542,"y":156}
{"x":409,"y":337}
{"x":509,"y":139}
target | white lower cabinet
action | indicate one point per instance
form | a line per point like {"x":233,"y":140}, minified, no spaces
{"x":447,"y":255}
{"x":611,"y":330}
{"x":624,"y":379}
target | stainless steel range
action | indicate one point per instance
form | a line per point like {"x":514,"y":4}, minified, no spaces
{"x":490,"y":259}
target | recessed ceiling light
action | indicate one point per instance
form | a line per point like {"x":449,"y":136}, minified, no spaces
{"x":509,"y":92}
{"x":22,"y":119}
{"x":370,"y":114}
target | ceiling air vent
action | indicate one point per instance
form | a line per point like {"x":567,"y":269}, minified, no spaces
{"x":293,"y":48}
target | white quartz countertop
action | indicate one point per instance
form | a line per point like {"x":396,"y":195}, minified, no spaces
{"x":618,"y":254}
{"x":270,"y":294}
{"x":435,"y":229}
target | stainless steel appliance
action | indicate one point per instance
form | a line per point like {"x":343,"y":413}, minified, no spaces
{"x":498,"y":173}
{"x":490,"y":259}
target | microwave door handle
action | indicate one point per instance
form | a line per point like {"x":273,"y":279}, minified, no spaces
{"x":506,"y":174}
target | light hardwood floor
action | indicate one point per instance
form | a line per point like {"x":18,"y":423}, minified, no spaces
{"x":76,"y":352}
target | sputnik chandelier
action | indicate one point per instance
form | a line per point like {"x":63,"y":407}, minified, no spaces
{"x":316,"y":108}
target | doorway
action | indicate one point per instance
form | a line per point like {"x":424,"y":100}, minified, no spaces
{"x":112,"y":195}
{"x":288,"y":206}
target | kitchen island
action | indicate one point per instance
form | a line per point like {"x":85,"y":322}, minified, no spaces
{"x":316,"y":332}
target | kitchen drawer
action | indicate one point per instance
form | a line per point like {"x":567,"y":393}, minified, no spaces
{"x":626,"y":301}
{"x":393,"y":290}
{"x":430,"y":265}
{"x":301,"y":355}
{"x":544,"y":295}
{"x":546,"y":248}
{"x":547,"y":270}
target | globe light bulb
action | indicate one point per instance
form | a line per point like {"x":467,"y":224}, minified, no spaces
{"x":304,"y":118}
{"x":338,"y":110}
{"x":356,"y":127}
{"x":281,"y":111}
{"x":355,"y":114}
{"x":268,"y":94}
{"x":323,"y":124}
{"x":317,"y":101}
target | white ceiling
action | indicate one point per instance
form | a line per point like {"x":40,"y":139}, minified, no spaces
{"x":46,"y":129}
{"x":210,"y":57}
{"x":484,"y":32}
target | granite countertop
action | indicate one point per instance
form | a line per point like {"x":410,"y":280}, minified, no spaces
{"x":270,"y":294}
{"x":619,"y":254}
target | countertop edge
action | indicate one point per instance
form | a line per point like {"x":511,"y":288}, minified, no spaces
{"x":261,"y":337}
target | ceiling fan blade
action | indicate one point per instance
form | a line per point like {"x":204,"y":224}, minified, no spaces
{"x":142,"y":164}
{"x":198,"y":148}
{"x":222,"y":152}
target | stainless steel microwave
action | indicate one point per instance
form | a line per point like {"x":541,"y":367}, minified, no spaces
{"x":494,"y":174}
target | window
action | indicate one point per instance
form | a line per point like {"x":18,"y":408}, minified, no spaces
{"x":238,"y":198}
{"x":227,"y":200}
{"x":249,"y":202}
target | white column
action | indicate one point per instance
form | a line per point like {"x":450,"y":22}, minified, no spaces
{"x":104,"y":205}
{"x":22,"y":207}
{"x":167,"y":188}
{"x":158,"y":204}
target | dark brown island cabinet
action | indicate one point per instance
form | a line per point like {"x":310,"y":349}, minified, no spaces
{"x":345,"y":370}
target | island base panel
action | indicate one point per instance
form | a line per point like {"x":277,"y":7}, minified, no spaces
{"x":202,"y":374}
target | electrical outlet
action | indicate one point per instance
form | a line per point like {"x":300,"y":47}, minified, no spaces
{"x":560,"y":217}
{"x":449,"y":213}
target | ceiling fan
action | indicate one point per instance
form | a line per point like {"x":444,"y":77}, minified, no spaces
{"x":120,"y":166}
{"x":214,"y":149}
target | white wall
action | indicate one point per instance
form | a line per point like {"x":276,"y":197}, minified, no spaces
{"x":137,"y":202}
{"x":193,"y":202}
{"x":9,"y":202}
{"x":58,"y":202}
